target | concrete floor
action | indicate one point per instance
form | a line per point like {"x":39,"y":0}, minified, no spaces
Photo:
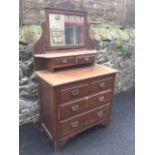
{"x":115,"y":139}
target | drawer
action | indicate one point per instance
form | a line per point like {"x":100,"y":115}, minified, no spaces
{"x":85,"y":59}
{"x":101,"y":113}
{"x":102,"y":84}
{"x":74,"y":92}
{"x":78,"y":106}
{"x":75,"y":124}
{"x":73,"y":108}
{"x":99,"y":99}
{"x":63,"y":61}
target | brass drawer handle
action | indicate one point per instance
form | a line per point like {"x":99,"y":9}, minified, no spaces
{"x":101,"y":99}
{"x":75,"y":92}
{"x":86,"y":59}
{"x":100,"y":114}
{"x":101,"y":85}
{"x":75,"y":107}
{"x":64,"y":61}
{"x":74,"y":124}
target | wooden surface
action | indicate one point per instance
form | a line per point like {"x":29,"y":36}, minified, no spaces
{"x":86,"y":103}
{"x":57,"y":63}
{"x":65,"y":53}
{"x":40,"y":45}
{"x":81,"y":98}
{"x":72,"y":99}
{"x":73,"y":75}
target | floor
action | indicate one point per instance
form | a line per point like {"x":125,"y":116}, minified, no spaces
{"x":115,"y":139}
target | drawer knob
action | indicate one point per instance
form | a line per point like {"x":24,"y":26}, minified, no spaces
{"x":86,"y":59}
{"x":64,"y":61}
{"x":74,"y":124}
{"x":100,"y":114}
{"x":75,"y":92}
{"x":101,"y":85}
{"x":101,"y":99}
{"x":75,"y":107}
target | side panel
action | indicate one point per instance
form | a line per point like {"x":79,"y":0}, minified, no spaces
{"x":49,"y":111}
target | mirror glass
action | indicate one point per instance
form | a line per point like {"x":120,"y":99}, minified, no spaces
{"x":66,"y":30}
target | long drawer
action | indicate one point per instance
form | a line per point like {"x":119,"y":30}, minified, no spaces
{"x":81,"y":121}
{"x":75,"y":107}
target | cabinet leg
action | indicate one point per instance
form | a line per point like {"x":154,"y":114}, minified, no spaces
{"x":56,"y":146}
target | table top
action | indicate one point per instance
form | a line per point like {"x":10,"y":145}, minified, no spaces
{"x":75,"y":74}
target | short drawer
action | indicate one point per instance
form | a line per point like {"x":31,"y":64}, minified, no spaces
{"x":102,"y":84}
{"x":74,"y":92}
{"x":85,"y":59}
{"x":63,"y":61}
{"x":99,"y":99}
{"x":75,"y":124}
{"x":78,"y":106}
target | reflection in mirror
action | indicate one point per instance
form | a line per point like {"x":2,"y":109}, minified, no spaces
{"x":66,"y":30}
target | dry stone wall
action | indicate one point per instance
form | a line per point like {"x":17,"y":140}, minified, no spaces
{"x":115,"y":48}
{"x":105,"y":11}
{"x":110,"y":52}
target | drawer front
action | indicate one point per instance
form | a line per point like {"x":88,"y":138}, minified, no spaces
{"x":99,"y":99}
{"x":102,"y":113}
{"x":64,"y":61}
{"x":74,"y":92}
{"x":82,"y":121}
{"x":100,"y":85}
{"x":85,"y":59}
{"x":73,"y":108}
{"x":71,"y":126}
{"x":79,"y":106}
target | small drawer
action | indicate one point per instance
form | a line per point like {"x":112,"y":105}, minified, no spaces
{"x":78,"y":106}
{"x":74,"y":92}
{"x":85,"y":59}
{"x":64,"y":61}
{"x":99,"y":99}
{"x":79,"y":122}
{"x":101,"y":85}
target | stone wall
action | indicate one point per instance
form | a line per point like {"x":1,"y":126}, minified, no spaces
{"x":115,"y":48}
{"x":103,"y":11}
{"x":28,"y":106}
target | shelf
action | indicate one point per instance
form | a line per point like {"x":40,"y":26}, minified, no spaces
{"x":64,"y":53}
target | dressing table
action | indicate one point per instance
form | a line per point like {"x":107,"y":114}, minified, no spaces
{"x":74,"y":92}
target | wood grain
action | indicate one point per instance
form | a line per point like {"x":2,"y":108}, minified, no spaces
{"x":73,"y":75}
{"x":64,"y":53}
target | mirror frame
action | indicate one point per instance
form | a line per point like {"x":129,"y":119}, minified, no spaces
{"x":65,"y":12}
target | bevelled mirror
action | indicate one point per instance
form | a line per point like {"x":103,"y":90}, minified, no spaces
{"x":65,"y":29}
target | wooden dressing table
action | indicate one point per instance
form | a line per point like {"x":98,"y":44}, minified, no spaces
{"x":74,"y":92}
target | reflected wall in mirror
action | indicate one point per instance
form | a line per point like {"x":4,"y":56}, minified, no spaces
{"x":66,"y":30}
